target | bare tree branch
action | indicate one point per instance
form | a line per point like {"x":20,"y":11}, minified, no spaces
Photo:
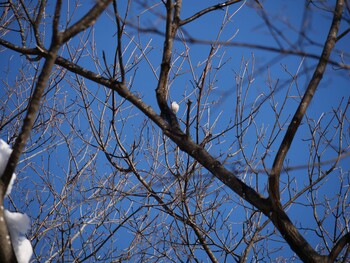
{"x":108,"y":177}
{"x":274,"y":176}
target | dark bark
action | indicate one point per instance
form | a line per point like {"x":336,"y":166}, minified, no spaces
{"x":6,"y":250}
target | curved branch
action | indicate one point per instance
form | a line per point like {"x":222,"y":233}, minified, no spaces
{"x":86,"y":21}
{"x":280,"y":219}
{"x":31,"y":115}
{"x":305,"y":102}
{"x":207,"y":10}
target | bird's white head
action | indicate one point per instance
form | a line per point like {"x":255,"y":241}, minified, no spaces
{"x":175,"y":107}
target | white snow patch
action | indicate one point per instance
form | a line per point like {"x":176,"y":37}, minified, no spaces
{"x":18,"y":224}
{"x":5,"y":152}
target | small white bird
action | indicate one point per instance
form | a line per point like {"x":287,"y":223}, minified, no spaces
{"x":175,"y":107}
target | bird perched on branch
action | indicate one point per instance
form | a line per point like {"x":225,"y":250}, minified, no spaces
{"x":174,"y":107}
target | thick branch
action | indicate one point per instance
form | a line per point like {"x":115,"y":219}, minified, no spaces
{"x":172,"y":23}
{"x":300,"y":112}
{"x":280,"y":219}
{"x":6,"y":250}
{"x":187,"y":145}
{"x":50,"y":60}
{"x":345,"y":240}
{"x":295,"y":240}
{"x":86,"y":21}
{"x":30,"y":116}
